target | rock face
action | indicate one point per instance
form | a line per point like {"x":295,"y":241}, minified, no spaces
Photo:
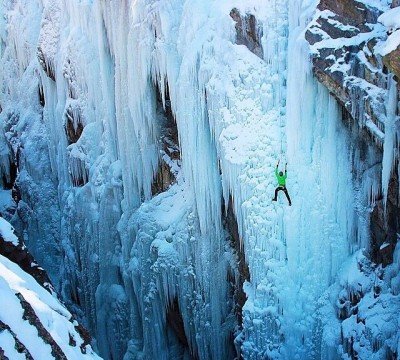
{"x":392,"y":62}
{"x":170,"y":157}
{"x":342,"y":43}
{"x":175,"y":322}
{"x":73,"y":127}
{"x":242,"y":267}
{"x":345,"y":39}
{"x":19,"y":346}
{"x":248,"y":32}
{"x":19,"y":254}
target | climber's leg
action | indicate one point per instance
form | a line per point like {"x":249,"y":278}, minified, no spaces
{"x":276,"y":193}
{"x":287,"y":195}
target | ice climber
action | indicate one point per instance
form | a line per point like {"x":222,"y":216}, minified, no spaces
{"x":281,"y":183}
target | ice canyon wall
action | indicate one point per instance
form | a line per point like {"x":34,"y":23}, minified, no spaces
{"x":138,"y":147}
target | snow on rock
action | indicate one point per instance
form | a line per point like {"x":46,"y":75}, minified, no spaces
{"x":391,"y":20}
{"x":7,"y":232}
{"x":345,"y":61}
{"x":34,"y":324}
{"x":36,"y":319}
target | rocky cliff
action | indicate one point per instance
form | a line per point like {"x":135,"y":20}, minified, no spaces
{"x":355,"y":54}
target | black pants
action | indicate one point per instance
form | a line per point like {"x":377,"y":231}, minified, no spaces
{"x":283,"y":188}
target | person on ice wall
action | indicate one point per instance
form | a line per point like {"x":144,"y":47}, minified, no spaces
{"x":281,"y":183}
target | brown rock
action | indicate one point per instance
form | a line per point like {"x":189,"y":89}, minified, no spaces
{"x":248,"y":32}
{"x":73,"y":134}
{"x":312,"y":37}
{"x":169,"y":140}
{"x":351,"y":12}
{"x":31,"y":317}
{"x":163,"y":179}
{"x":335,"y":86}
{"x":19,"y":346}
{"x":395,"y":3}
{"x":392,"y":61}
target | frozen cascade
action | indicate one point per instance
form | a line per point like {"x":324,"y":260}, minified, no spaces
{"x":389,"y":154}
{"x":149,"y":273}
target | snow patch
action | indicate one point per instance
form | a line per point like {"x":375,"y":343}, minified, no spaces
{"x":7,"y":232}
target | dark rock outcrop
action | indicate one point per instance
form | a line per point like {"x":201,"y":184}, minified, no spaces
{"x":31,"y":317}
{"x":392,"y":61}
{"x":169,"y":144}
{"x":175,"y":322}
{"x":243,"y":275}
{"x":10,"y":173}
{"x":395,"y":3}
{"x":163,"y":179}
{"x":248,"y":31}
{"x":19,"y":346}
{"x":20,"y":255}
{"x":385,"y":224}
{"x":10,"y":178}
{"x":47,"y":64}
{"x":42,"y":100}
{"x":73,"y":126}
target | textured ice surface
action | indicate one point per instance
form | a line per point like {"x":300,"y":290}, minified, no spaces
{"x":127,"y":257}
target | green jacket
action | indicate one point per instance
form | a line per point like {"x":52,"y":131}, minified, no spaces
{"x":281,"y":179}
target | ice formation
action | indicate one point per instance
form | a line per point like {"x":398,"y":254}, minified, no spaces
{"x":98,"y":96}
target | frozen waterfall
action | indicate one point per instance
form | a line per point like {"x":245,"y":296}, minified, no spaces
{"x":100,"y":97}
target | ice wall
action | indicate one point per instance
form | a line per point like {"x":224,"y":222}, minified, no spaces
{"x":96,"y":69}
{"x":154,"y":275}
{"x":38,"y":217}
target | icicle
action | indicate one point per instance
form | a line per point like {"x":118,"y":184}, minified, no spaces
{"x":390,"y":136}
